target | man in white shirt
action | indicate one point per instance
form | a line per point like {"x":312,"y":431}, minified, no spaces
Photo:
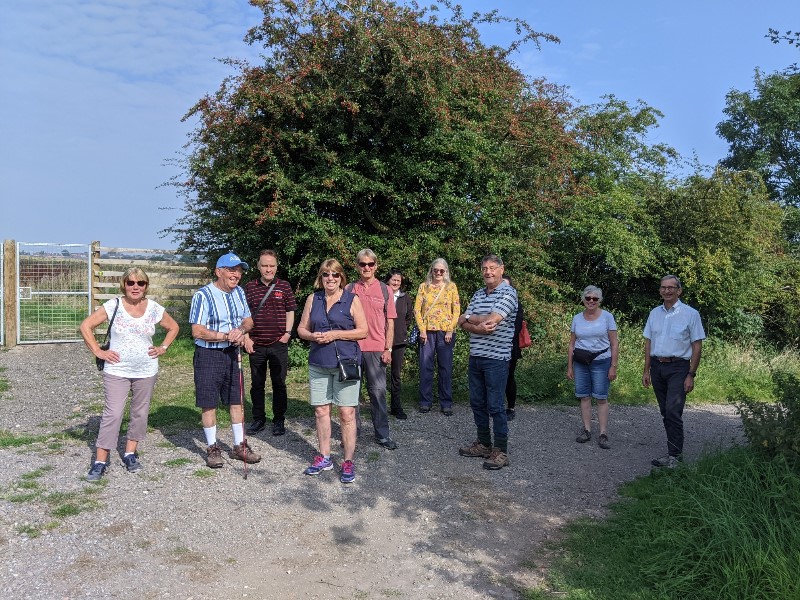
{"x":673,"y":344}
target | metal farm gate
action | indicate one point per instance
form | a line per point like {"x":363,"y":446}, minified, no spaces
{"x":53,"y":291}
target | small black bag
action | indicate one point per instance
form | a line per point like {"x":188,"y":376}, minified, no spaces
{"x":349,"y":369}
{"x":584,"y":356}
{"x":101,"y":364}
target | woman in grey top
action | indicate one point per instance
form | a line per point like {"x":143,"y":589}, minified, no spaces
{"x":592,"y":361}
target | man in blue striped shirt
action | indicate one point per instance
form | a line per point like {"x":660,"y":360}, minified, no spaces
{"x":489,"y":319}
{"x":220,"y":318}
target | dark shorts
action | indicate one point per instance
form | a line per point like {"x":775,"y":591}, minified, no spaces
{"x":216,"y":377}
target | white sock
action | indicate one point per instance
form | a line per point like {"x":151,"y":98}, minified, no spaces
{"x":130,"y":453}
{"x":238,"y":433}
{"x":211,"y":434}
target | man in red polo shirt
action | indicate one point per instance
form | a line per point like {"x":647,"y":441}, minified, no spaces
{"x":272,"y":305}
{"x":376,"y":349}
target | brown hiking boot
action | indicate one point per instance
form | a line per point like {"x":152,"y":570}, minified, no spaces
{"x":214,"y":457}
{"x":476,"y":450}
{"x":497,"y":460}
{"x":244,"y":452}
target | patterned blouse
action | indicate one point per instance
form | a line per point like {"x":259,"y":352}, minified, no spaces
{"x":440,"y":314}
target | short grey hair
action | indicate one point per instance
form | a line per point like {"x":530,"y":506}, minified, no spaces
{"x":675,"y":277}
{"x":492,"y":258}
{"x":366,"y":253}
{"x":592,"y":289}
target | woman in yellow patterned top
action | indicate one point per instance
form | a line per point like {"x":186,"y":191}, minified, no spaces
{"x":436,"y":311}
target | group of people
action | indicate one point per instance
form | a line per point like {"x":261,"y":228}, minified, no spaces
{"x":358,"y":330}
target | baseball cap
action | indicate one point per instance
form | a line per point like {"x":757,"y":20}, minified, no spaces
{"x":230,"y":260}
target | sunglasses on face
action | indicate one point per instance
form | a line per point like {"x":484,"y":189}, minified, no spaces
{"x":439,"y":271}
{"x":332,"y":274}
{"x":592,"y":299}
{"x":133,"y":283}
{"x":366,"y":264}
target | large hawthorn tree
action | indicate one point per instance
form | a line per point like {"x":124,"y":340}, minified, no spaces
{"x":375,"y":124}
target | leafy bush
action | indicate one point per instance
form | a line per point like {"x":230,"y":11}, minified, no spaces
{"x":774,"y":428}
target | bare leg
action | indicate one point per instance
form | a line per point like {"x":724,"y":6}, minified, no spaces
{"x":237,"y":414}
{"x":602,"y":414}
{"x":347,"y":416}
{"x":209,"y":417}
{"x":102,"y":455}
{"x":323,"y":416}
{"x":586,"y":413}
{"x":130,"y":446}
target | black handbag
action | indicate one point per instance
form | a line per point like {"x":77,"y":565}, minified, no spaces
{"x":101,"y":364}
{"x":584,"y":356}
{"x":349,"y":368}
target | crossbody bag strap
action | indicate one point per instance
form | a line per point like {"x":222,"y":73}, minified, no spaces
{"x":432,"y":303}
{"x":330,"y":328}
{"x":264,"y":299}
{"x":111,"y":324}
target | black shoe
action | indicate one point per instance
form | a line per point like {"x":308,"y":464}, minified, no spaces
{"x":510,"y":414}
{"x":278,"y":428}
{"x":400,"y":415}
{"x":424,"y":409}
{"x":256,"y":426}
{"x":387,"y":443}
{"x":447,"y":412}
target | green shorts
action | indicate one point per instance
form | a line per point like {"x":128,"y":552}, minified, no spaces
{"x":327,"y":389}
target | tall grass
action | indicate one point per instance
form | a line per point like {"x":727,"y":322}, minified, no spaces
{"x":726,"y":527}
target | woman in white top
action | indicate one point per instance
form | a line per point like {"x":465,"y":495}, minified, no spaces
{"x":131,"y":365}
{"x":592,"y":361}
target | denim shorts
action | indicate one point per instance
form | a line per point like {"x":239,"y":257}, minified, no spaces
{"x":592,"y":380}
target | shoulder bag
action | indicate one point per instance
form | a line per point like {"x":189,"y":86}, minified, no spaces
{"x":584,"y":356}
{"x":106,"y":344}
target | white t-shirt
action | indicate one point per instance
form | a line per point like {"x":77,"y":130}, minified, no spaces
{"x":593,"y":335}
{"x":131,"y":338}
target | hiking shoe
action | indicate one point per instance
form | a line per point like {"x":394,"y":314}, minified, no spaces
{"x":132,"y":463}
{"x":320,"y":464}
{"x":424,"y":409}
{"x":214,"y":457}
{"x":667,"y":462}
{"x":399,"y":414}
{"x":584,"y":437}
{"x":447,"y":412}
{"x":510,"y":414}
{"x":387,"y":443}
{"x":278,"y":428}
{"x":476,"y":450}
{"x":497,"y":460}
{"x":602,"y":441}
{"x":244,"y":453}
{"x":348,"y":474}
{"x":96,"y":472}
{"x":256,"y":426}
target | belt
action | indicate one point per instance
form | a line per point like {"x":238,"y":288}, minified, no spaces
{"x":668,"y":359}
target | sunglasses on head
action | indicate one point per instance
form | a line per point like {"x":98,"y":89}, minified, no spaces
{"x":592,"y":299}
{"x":331,"y":274}
{"x":133,"y":283}
{"x":366,"y":264}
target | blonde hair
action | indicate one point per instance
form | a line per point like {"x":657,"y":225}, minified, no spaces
{"x":330,"y":265}
{"x":134,"y":274}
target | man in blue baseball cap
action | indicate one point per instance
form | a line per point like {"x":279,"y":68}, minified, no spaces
{"x":220,"y":318}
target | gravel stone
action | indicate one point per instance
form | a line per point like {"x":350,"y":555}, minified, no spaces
{"x":418,"y":522}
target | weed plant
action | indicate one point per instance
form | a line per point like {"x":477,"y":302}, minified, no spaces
{"x":725,"y":527}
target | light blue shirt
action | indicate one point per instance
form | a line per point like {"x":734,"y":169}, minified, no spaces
{"x":593,"y":335}
{"x":218,"y":311}
{"x":671,"y":332}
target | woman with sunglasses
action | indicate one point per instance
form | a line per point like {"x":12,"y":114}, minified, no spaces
{"x":592,"y":361}
{"x":333,"y":321}
{"x":131,"y":365}
{"x":436,"y":311}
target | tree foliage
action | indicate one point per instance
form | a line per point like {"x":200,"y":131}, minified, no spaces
{"x":763,"y":131}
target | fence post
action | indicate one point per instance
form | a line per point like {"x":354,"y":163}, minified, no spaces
{"x":10,"y":292}
{"x":95,"y":274}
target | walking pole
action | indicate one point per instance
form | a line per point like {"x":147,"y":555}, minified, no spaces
{"x":241,"y":397}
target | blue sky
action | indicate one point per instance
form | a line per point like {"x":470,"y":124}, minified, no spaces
{"x":92,"y":92}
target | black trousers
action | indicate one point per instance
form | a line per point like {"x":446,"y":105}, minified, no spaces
{"x":667,"y":380}
{"x":398,"y":356}
{"x":274,"y":358}
{"x":511,"y":384}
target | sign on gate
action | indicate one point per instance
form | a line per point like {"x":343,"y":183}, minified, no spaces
{"x":53,"y":291}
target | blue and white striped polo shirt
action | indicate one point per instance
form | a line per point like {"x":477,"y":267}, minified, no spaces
{"x":218,"y":311}
{"x":499,"y":343}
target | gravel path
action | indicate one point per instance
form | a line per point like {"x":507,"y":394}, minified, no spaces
{"x":419,"y":522}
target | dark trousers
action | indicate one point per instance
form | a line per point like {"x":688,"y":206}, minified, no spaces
{"x":398,"y":356}
{"x":667,"y":380}
{"x":436,"y":349}
{"x":374,"y":371}
{"x":511,"y":384}
{"x":274,"y":357}
{"x":487,"y":381}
